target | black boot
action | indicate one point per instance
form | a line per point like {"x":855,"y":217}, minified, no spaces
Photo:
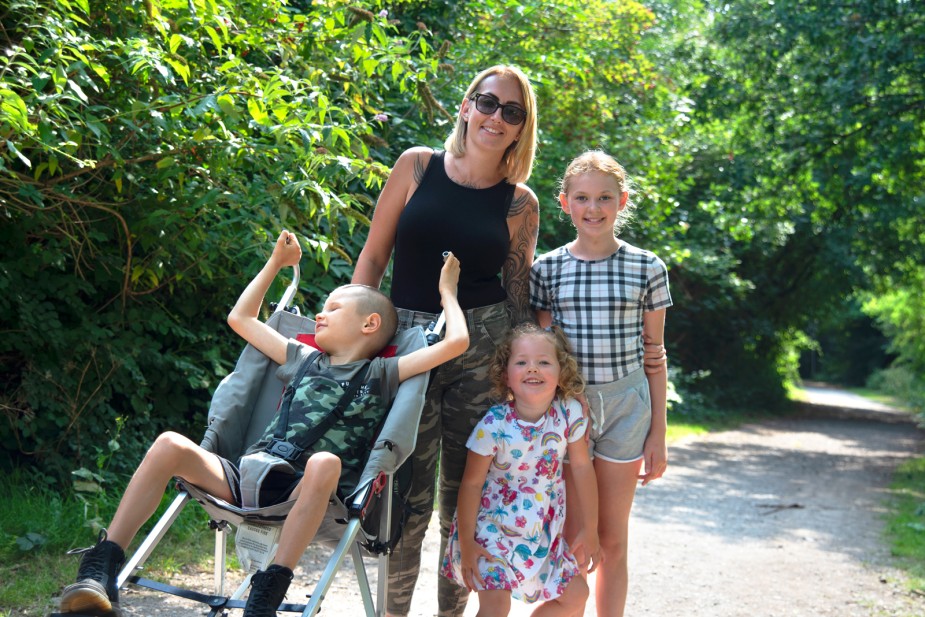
{"x":268,"y":588}
{"x":96,"y":591}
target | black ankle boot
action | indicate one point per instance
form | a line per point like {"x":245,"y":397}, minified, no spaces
{"x":96,"y":591}
{"x":268,"y":588}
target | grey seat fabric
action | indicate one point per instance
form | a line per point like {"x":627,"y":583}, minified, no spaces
{"x":245,"y":403}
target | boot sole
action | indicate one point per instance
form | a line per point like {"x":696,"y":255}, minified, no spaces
{"x":88,"y":602}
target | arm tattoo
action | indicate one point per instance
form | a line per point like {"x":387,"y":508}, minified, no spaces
{"x":418,"y":169}
{"x":516,"y":271}
{"x":520,"y":204}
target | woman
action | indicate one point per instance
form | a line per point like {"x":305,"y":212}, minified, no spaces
{"x":470,"y":200}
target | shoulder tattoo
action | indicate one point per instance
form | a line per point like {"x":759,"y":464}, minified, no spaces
{"x":521,"y":203}
{"x":418,"y":168}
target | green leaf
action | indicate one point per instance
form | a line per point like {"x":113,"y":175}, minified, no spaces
{"x":175,"y":41}
{"x":12,"y":148}
{"x":77,"y":90}
{"x":216,"y":40}
{"x":13,"y":110}
{"x":255,"y":108}
{"x":180,"y":66}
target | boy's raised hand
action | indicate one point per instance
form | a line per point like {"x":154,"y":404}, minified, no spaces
{"x":287,"y":251}
{"x":449,"y":275}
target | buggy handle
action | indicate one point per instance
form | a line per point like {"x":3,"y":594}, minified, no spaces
{"x":290,"y":292}
{"x":434,"y":329}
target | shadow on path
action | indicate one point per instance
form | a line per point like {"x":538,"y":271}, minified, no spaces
{"x":782,"y":517}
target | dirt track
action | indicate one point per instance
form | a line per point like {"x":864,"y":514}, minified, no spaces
{"x":777,"y":519}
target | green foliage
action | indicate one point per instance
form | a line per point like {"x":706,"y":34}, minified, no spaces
{"x":165,"y":145}
{"x":900,"y":311}
{"x":39,"y":525}
{"x":906,"y":529}
{"x":151,"y":152}
{"x":848,"y":346}
{"x":903,"y":384}
{"x":799,"y":188}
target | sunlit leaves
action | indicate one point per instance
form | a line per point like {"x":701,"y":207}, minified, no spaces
{"x":149,"y":151}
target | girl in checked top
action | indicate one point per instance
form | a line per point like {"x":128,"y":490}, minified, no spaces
{"x":609,"y":297}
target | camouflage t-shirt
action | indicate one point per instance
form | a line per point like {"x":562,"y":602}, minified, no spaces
{"x":351,"y":437}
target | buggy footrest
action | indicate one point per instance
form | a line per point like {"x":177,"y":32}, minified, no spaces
{"x":214,"y":602}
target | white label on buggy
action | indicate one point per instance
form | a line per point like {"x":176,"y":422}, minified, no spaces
{"x":256,"y":545}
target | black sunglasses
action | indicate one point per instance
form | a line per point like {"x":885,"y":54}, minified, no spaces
{"x":488,"y":104}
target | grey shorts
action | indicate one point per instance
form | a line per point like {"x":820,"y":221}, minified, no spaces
{"x":275,"y":489}
{"x":621,"y":414}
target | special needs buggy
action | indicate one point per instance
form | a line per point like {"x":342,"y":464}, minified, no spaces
{"x":361,"y":523}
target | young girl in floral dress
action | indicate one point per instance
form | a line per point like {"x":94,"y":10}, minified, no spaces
{"x":506,"y":540}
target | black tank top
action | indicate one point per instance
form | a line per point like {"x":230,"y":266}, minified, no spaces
{"x":444,"y":216}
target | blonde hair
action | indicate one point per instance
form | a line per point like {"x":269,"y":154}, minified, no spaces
{"x":518,"y":158}
{"x":598,"y":161}
{"x":571,"y":383}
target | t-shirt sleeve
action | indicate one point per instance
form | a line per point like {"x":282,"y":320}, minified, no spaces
{"x":539,"y":293}
{"x":296,"y":354}
{"x":657,"y":294}
{"x":387,"y":370}
{"x":484,"y":437}
{"x":576,"y":420}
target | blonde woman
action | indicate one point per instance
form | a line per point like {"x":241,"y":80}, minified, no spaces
{"x":469,"y":199}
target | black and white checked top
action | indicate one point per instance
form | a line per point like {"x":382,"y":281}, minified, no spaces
{"x":599,"y":304}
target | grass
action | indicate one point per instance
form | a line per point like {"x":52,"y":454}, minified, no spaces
{"x":681,"y":426}
{"x":38,"y":525}
{"x":878,"y":397}
{"x":905,"y":527}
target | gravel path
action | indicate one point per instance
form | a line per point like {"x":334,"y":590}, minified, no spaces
{"x":776,"y":519}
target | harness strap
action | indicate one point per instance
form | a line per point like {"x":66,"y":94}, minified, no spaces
{"x":293,"y":450}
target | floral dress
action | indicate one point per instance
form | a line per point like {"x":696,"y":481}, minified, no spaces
{"x":522,"y":511}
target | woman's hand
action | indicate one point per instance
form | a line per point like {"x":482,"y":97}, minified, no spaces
{"x":655,"y":358}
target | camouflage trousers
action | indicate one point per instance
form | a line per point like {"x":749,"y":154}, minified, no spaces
{"x":457,"y":399}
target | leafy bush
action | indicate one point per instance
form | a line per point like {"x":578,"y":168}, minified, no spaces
{"x":151,"y":153}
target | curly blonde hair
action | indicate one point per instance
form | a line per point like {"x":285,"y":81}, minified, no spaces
{"x":571,"y":383}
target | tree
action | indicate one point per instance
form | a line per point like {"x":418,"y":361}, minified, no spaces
{"x":803,"y":190}
{"x":150,"y":152}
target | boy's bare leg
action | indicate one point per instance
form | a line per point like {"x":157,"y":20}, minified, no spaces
{"x":95,"y":591}
{"x":170,"y":455}
{"x":269,"y":587}
{"x":312,"y":495}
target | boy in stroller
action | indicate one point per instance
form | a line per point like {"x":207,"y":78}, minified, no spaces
{"x":355,"y":324}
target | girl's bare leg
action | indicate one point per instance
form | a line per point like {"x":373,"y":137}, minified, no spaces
{"x":494,"y":603}
{"x":616,"y":489}
{"x":573,"y":526}
{"x":572,"y":600}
